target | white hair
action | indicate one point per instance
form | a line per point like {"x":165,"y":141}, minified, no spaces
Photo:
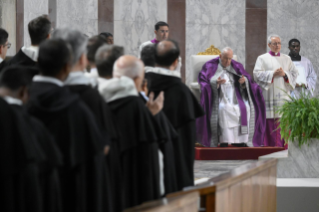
{"x":225,"y":50}
{"x":75,"y":38}
{"x":131,"y":70}
{"x":272,"y":36}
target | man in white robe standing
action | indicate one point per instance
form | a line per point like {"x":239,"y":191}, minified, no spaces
{"x":276,"y":75}
{"x":306,"y":81}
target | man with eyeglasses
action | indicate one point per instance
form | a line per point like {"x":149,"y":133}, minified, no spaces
{"x":276,"y":75}
{"x":161,"y":33}
{"x":4,"y":46}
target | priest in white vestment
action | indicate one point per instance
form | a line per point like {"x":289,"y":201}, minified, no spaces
{"x":276,"y":75}
{"x":306,"y":81}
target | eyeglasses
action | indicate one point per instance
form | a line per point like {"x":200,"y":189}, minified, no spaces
{"x":8,"y":45}
{"x":276,"y":44}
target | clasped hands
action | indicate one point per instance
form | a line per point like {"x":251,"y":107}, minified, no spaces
{"x":222,"y":81}
{"x":279,"y":72}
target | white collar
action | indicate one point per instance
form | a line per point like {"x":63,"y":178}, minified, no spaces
{"x":31,"y":51}
{"x":162,"y":71}
{"x":80,"y":78}
{"x":92,"y":74}
{"x":1,"y":59}
{"x":94,"y":71}
{"x":102,"y":80}
{"x":144,"y":95}
{"x":12,"y":101}
{"x":117,"y":88}
{"x":39,"y":78}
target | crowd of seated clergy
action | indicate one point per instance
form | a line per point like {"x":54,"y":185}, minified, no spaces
{"x":85,"y":127}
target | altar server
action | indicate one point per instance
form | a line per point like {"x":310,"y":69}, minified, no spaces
{"x":306,"y":81}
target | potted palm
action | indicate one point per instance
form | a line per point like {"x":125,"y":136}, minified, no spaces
{"x":299,"y":120}
{"x":299,"y":125}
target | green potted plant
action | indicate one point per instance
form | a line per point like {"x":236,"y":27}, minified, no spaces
{"x":299,"y":120}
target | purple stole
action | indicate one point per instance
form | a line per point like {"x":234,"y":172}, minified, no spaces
{"x":154,"y":41}
{"x":203,"y":123}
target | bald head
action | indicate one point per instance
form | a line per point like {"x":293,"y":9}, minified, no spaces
{"x":132,"y":67}
{"x":167,"y":53}
{"x":129,"y":66}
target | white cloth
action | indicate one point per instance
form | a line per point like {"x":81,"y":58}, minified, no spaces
{"x":94,"y":71}
{"x":12,"y":101}
{"x":1,"y":60}
{"x":31,"y":51}
{"x":144,"y":95}
{"x":93,"y":74}
{"x":52,"y":80}
{"x":162,"y":71}
{"x":161,"y":172}
{"x":117,"y":88}
{"x":142,"y":46}
{"x":311,"y":78}
{"x":276,"y":93}
{"x":80,"y":78}
{"x":229,"y":117}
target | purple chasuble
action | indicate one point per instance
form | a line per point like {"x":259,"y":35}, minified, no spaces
{"x":154,"y":41}
{"x":273,"y":136}
{"x":203,"y":123}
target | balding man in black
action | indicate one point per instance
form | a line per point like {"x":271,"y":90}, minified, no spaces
{"x":180,"y":107}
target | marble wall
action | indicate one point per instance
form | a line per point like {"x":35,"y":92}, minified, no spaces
{"x":297,"y":161}
{"x":78,"y":14}
{"x":8,"y":22}
{"x":214,"y":22}
{"x":134,"y":22}
{"x":296,"y":19}
{"x":33,"y":9}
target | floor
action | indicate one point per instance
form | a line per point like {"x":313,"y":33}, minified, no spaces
{"x":213,"y":168}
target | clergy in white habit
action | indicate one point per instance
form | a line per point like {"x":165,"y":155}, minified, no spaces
{"x":232,"y":102}
{"x":276,"y":75}
{"x":306,"y":81}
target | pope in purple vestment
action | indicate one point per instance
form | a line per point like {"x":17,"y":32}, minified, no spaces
{"x":208,"y":129}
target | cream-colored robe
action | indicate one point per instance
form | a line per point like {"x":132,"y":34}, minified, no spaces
{"x":275,"y":89}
